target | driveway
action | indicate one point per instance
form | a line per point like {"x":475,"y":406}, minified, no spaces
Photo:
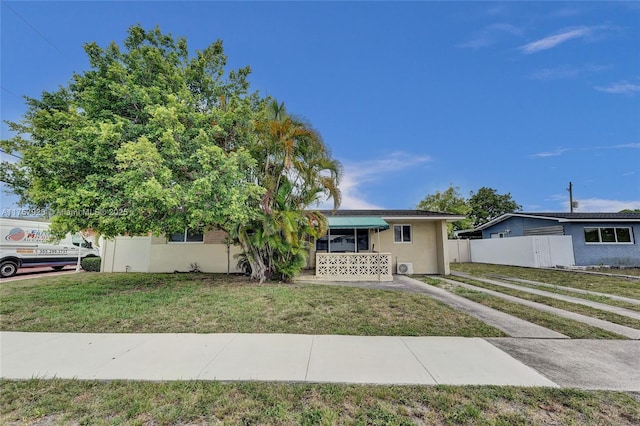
{"x":28,"y":273}
{"x":583,"y":364}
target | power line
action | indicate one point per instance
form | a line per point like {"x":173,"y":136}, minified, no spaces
{"x":32,"y":27}
{"x":10,"y":92}
{"x":8,"y":153}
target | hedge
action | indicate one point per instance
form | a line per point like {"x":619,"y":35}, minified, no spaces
{"x":91,"y":264}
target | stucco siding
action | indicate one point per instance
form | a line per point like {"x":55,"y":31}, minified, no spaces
{"x":612,"y":254}
{"x":422,"y":251}
{"x":179,"y":257}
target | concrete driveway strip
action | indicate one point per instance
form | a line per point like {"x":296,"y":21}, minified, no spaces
{"x":631,"y":333}
{"x":513,"y":326}
{"x":571,"y":289}
{"x":602,"y":306}
{"x":584,"y":364}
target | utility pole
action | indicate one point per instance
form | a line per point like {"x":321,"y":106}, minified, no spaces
{"x":570,"y":189}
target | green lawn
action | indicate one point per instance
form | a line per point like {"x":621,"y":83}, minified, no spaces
{"x":206,"y":303}
{"x":135,"y":403}
{"x":600,"y":283}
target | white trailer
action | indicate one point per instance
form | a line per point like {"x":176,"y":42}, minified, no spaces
{"x":28,"y":244}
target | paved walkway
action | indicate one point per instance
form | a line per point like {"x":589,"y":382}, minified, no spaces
{"x":586,"y":364}
{"x":512,"y":326}
{"x":264,"y":357}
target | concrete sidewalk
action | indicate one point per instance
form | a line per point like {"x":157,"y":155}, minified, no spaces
{"x":264,"y":357}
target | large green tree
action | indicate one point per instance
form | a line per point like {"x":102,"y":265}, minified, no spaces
{"x":152,"y":139}
{"x":486,"y":204}
{"x":149,"y":139}
{"x":449,"y":201}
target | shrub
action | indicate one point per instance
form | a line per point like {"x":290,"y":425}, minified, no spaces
{"x":90,"y":264}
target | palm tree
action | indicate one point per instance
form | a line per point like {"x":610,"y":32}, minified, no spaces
{"x":296,"y":171}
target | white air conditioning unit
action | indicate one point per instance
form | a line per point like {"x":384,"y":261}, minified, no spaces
{"x":405,"y":268}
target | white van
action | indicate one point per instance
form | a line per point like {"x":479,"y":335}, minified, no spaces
{"x":28,"y":244}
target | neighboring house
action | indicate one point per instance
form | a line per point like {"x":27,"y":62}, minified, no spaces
{"x":414,"y":239}
{"x":597,"y":238}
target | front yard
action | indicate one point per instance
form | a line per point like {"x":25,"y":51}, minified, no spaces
{"x":206,"y":303}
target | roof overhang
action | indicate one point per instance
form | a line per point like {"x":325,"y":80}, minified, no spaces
{"x":447,"y":218}
{"x":549,"y":217}
{"x":357,"y":222}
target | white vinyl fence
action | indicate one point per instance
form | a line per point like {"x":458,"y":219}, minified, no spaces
{"x":532,"y":251}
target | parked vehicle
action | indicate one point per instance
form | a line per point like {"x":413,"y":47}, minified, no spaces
{"x":28,"y":244}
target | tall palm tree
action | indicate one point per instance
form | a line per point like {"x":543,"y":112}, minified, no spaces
{"x":297,"y":171}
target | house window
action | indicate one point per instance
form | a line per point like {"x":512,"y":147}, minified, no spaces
{"x":188,"y":236}
{"x":344,"y":241}
{"x":608,"y":235}
{"x":402,"y":233}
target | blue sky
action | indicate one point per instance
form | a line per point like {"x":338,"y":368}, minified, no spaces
{"x":520,"y":97}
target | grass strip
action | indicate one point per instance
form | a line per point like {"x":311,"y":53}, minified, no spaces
{"x":133,"y":403}
{"x":207,"y":303}
{"x":560,"y":304}
{"x":600,"y":283}
{"x":568,"y":327}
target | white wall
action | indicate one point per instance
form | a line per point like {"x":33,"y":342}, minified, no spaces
{"x":126,"y":254}
{"x":459,"y":250}
{"x":178,"y":257}
{"x":143,"y":254}
{"x":531,"y":251}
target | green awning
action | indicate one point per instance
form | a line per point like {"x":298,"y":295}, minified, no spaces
{"x":357,"y":222}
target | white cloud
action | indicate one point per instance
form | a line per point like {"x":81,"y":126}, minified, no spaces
{"x":603,"y":205}
{"x":357,"y":175}
{"x":560,"y":151}
{"x":564,"y":72}
{"x":625,"y":145}
{"x":556,"y":39}
{"x":508,"y":28}
{"x":594,"y":205}
{"x":565,"y":13}
{"x":623,"y":87}
{"x":555,"y":153}
{"x":490,"y":35}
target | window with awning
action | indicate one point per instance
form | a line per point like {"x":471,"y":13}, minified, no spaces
{"x":349,"y":234}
